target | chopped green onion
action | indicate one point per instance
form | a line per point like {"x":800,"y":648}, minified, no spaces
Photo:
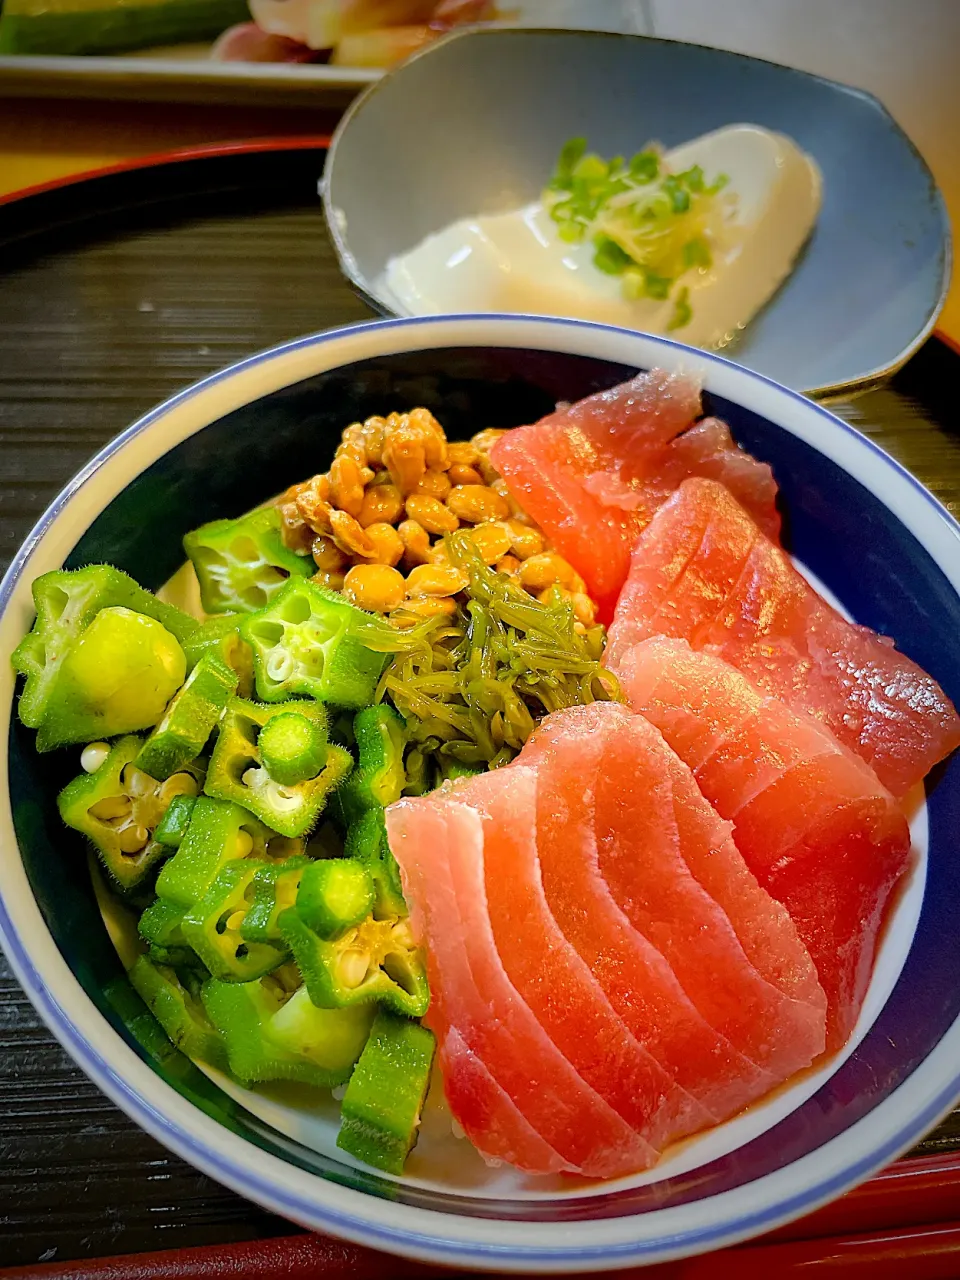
{"x":678,"y":193}
{"x":645,"y":166}
{"x":696,"y":253}
{"x":570,"y":155}
{"x":682,"y":314}
{"x":609,"y":257}
{"x":658,"y":286}
{"x":648,"y":226}
{"x":692,"y":179}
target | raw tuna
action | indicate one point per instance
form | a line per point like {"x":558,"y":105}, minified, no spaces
{"x":576,"y":1032}
{"x":552,"y":978}
{"x":567,"y":751}
{"x":496,"y":1124}
{"x":439,"y":846}
{"x":813,"y":822}
{"x":593,"y":474}
{"x":657,"y":843}
{"x":704,"y":572}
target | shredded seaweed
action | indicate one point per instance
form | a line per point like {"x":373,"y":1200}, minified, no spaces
{"x":472,"y":688}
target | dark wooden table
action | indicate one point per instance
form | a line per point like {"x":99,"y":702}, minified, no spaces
{"x":95,"y":327}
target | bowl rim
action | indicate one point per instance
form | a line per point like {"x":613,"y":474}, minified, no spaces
{"x":850,"y":386}
{"x":431,"y":1235}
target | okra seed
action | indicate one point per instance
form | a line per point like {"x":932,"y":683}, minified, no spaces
{"x":131,"y":839}
{"x":110,"y":808}
{"x":236,"y":920}
{"x":281,"y":798}
{"x":280,"y":665}
{"x":244,"y":843}
{"x":92,"y":757}
{"x":179,"y":784}
{"x":401,"y":936}
{"x":137,"y":782}
{"x":353,"y":967}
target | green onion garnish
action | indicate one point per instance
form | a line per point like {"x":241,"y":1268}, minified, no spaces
{"x":648,"y":226}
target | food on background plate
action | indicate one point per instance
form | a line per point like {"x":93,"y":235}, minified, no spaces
{"x":391,"y":790}
{"x":111,"y":26}
{"x":354,"y":33}
{"x":691,"y":241}
{"x":351,"y":33}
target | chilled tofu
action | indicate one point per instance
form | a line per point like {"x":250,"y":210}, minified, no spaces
{"x":517,"y":262}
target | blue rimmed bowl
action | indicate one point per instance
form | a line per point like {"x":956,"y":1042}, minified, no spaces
{"x":871,"y":535}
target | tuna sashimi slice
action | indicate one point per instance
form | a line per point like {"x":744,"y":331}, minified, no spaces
{"x":812,"y":821}
{"x":625,"y":428}
{"x":438,"y":845}
{"x":709,"y":450}
{"x":684,"y":566}
{"x":495,"y":1123}
{"x":567,"y":751}
{"x":586,"y":526}
{"x":643,"y":855}
{"x":737,"y":595}
{"x":592,"y":474}
{"x":762,"y":924}
{"x":552,"y":978}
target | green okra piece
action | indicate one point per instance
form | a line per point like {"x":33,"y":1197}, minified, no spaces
{"x":242,"y":564}
{"x":275,"y":887}
{"x":189,"y":719}
{"x":334,"y":895}
{"x":313,"y":642}
{"x":179,"y":1012}
{"x":293,"y":747}
{"x":173,"y":825}
{"x":375,"y":962}
{"x":366,"y":841}
{"x":220,"y":637}
{"x":271,"y":1034}
{"x":379,"y":777}
{"x":117,"y":678}
{"x":212,"y":928}
{"x":133,"y":1012}
{"x":159,"y":925}
{"x":237,"y":773}
{"x":218,"y":833}
{"x":381,"y":1109}
{"x":67,"y":601}
{"x":118,"y":808}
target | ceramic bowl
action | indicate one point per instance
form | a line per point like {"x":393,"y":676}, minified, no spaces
{"x":475,"y":123}
{"x":869,"y":532}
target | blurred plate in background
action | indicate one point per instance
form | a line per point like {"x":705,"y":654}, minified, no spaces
{"x":185,"y":73}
